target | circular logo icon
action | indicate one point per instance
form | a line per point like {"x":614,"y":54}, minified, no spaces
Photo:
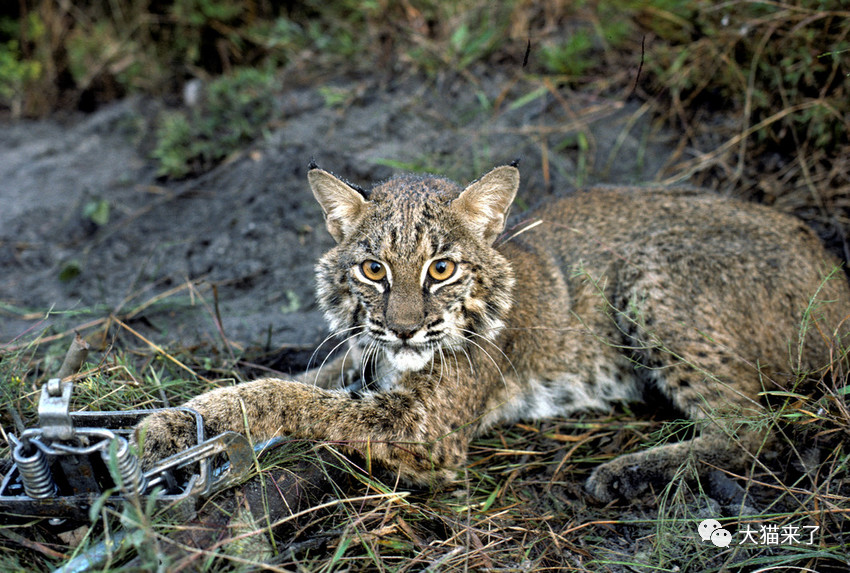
{"x":721,"y":537}
{"x":707,"y":527}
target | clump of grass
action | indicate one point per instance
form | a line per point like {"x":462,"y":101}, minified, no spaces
{"x":234,"y":111}
{"x":16,"y":70}
{"x":782,"y":66}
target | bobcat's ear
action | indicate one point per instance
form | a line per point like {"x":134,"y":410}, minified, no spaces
{"x":342,"y":204}
{"x":485,"y":203}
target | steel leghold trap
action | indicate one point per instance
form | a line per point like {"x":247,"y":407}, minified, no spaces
{"x":73,"y":459}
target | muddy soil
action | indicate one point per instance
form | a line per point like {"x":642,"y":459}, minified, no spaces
{"x":250,"y":227}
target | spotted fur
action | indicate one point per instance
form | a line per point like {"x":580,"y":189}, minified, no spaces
{"x":606,"y":296}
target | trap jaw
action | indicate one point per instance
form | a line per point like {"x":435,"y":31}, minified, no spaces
{"x":72,"y":459}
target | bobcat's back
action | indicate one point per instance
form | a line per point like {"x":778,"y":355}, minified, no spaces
{"x":754,"y":279}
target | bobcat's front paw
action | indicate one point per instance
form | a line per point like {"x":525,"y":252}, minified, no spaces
{"x":163,"y":434}
{"x":621,"y":478}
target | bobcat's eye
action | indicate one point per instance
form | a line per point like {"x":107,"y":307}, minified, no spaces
{"x":373,"y":270}
{"x":441,"y":270}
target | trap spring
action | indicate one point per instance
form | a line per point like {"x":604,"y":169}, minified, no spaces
{"x":72,"y":459}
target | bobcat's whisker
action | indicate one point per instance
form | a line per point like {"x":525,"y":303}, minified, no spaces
{"x":342,"y":381}
{"x":369,"y":359}
{"x":493,"y":360}
{"x":442,"y":365}
{"x":328,"y":338}
{"x":343,"y":341}
{"x":466,"y":354}
{"x":494,"y":345}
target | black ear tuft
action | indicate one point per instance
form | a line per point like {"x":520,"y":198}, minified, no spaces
{"x":312,"y":165}
{"x":515,"y":162}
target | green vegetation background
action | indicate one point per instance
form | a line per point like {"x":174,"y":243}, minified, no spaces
{"x":781,"y":66}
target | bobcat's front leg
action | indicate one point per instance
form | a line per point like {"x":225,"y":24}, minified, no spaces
{"x":412,"y":430}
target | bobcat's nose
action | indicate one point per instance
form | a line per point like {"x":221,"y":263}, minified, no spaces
{"x":404,"y":331}
{"x":405,"y":313}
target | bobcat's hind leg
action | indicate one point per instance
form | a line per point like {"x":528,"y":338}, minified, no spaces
{"x":629,"y":475}
{"x":695,"y":378}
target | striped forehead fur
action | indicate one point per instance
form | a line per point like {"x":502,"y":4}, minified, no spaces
{"x":411,"y":203}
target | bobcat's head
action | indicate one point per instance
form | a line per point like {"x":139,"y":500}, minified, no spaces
{"x":414,"y":272}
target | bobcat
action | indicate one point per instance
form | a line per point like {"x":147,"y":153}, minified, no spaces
{"x":453,"y":326}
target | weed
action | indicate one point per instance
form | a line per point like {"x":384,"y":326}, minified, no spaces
{"x":15,"y":73}
{"x":175,"y":145}
{"x":97,"y":211}
{"x":233,"y":113}
{"x":70,"y":270}
{"x":572,"y":57}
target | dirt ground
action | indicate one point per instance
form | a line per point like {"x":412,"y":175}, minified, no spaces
{"x":250,"y":226}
